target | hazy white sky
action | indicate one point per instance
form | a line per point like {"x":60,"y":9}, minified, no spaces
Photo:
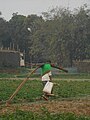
{"x":27,"y":7}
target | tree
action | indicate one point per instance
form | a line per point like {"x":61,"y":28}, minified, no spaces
{"x":4,"y":35}
{"x":59,"y":35}
{"x":80,"y":33}
{"x":15,"y":28}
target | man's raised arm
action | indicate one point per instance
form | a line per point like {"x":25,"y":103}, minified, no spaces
{"x":60,"y":68}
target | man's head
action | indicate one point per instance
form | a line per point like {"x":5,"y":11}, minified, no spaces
{"x":48,"y":61}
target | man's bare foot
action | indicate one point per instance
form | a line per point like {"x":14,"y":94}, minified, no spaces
{"x":49,"y":94}
{"x":44,"y":97}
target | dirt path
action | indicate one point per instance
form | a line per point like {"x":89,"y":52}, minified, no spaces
{"x":78,"y":107}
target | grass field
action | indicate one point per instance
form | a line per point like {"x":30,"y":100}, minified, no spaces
{"x":72,"y":100}
{"x":25,"y":115}
{"x":33,"y":89}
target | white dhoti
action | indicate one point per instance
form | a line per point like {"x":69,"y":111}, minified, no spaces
{"x":48,"y":85}
{"x":46,"y":77}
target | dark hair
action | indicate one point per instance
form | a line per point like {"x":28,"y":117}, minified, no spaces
{"x":48,"y":61}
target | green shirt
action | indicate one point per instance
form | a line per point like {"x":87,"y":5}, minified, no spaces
{"x":46,"y":68}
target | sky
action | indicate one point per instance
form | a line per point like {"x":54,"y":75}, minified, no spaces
{"x":28,"y":7}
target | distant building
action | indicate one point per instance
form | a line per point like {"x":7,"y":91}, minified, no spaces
{"x":11,"y":58}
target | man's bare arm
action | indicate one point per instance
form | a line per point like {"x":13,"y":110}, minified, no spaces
{"x":60,"y":68}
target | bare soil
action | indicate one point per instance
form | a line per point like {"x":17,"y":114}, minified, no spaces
{"x":78,"y":107}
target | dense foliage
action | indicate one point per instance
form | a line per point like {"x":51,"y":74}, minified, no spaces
{"x":59,"y":34}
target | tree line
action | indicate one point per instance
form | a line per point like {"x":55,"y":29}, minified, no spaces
{"x":61,"y":35}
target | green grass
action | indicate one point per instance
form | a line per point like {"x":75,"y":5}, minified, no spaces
{"x":13,"y":72}
{"x":73,"y":76}
{"x":65,"y":75}
{"x":33,"y":89}
{"x":23,"y":74}
{"x":24,"y":115}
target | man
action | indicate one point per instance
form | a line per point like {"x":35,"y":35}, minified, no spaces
{"x":47,"y":75}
